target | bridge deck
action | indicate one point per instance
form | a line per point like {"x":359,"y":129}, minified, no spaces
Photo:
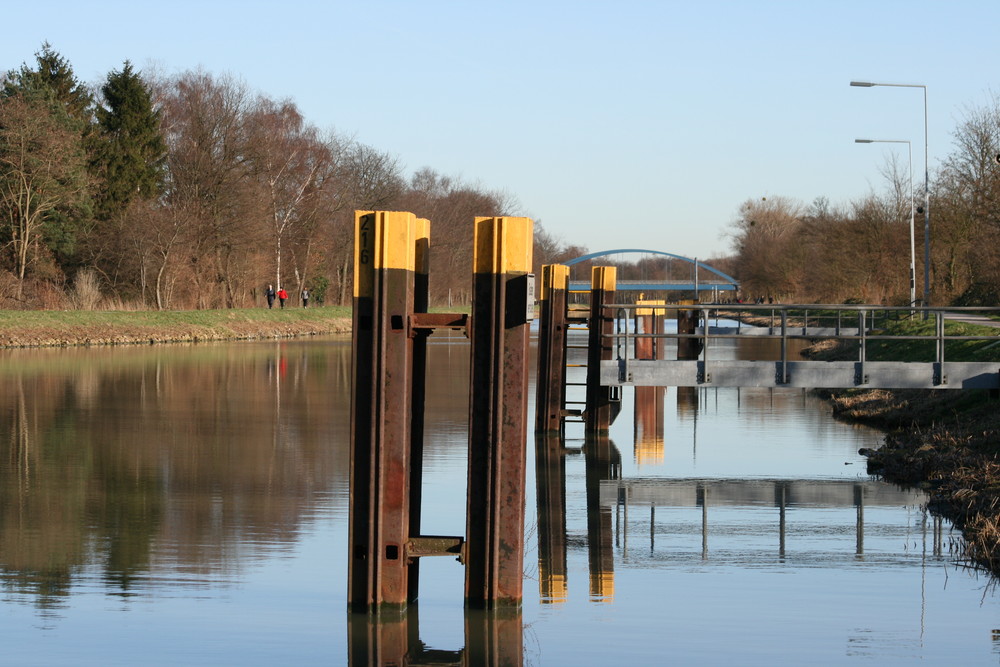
{"x":858,"y":325}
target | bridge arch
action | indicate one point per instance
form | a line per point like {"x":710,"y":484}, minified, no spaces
{"x":728,"y":281}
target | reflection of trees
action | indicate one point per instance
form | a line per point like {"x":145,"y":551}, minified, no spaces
{"x":134,"y":456}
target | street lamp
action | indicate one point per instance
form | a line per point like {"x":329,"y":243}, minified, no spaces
{"x":913,"y":255}
{"x":927,"y":191}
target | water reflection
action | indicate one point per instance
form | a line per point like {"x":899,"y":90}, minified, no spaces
{"x":492,"y":639}
{"x":209,"y":485}
{"x":135,"y":448}
{"x":725,"y":520}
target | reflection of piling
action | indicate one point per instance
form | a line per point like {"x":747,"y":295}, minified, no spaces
{"x":550,"y":381}
{"x":603,"y":462}
{"x":781,"y":500}
{"x":859,"y":503}
{"x":701,"y":499}
{"x":498,"y":407}
{"x":550,"y":479}
{"x":603,"y":403}
{"x":492,"y":639}
{"x":649,"y":429}
{"x":649,"y":401}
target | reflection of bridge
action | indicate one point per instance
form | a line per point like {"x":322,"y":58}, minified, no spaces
{"x":762,"y":492}
{"x":610,"y":499}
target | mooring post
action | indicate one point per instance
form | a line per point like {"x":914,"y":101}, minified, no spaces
{"x":649,"y":320}
{"x":602,"y":406}
{"x":381,"y":398}
{"x":498,"y":412}
{"x":550,"y":381}
{"x":687,"y":323}
{"x":421,"y":301}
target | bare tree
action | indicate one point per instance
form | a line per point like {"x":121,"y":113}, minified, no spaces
{"x":764,"y":238}
{"x":211,"y":178}
{"x":41,"y":170}
{"x":293,"y":165}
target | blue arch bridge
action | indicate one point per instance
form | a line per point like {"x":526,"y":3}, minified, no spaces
{"x":703,"y":278}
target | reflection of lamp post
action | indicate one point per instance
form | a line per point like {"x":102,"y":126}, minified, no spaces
{"x":913,"y":257}
{"x":927,"y":191}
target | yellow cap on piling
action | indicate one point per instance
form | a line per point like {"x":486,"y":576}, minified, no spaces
{"x":502,"y":245}
{"x":554,"y":277}
{"x":384,"y":240}
{"x":604,"y":278}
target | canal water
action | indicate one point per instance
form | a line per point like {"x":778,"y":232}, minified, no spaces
{"x":188,"y":505}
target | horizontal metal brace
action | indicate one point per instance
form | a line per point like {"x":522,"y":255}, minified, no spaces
{"x":436,"y":545}
{"x":430,"y":321}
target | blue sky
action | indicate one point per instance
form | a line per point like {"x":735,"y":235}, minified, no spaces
{"x":615,"y":123}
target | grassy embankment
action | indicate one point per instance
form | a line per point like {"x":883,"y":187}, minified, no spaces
{"x":77,"y":327}
{"x":945,"y":441}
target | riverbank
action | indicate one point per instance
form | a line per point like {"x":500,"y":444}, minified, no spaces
{"x":78,"y":327}
{"x":946,"y":442}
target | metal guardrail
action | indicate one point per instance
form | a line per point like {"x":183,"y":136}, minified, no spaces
{"x":860,"y":323}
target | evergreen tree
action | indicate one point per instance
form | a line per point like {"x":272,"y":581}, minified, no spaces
{"x":130,"y":153}
{"x":53,"y":80}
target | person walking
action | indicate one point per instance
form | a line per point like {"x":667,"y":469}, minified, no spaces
{"x":270,"y":296}
{"x":282,"y":295}
{"x":305,"y":297}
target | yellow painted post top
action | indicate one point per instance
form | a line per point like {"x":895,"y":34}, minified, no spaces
{"x":383,"y":240}
{"x":502,"y":245}
{"x":604,"y":278}
{"x":554,"y":277}
{"x":650,"y":302}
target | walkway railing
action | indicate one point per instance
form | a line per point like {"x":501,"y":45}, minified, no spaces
{"x":862,"y":325}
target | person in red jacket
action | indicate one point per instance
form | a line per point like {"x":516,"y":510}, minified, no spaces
{"x":282,"y":295}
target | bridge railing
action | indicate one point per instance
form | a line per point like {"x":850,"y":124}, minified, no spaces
{"x":918,"y":349}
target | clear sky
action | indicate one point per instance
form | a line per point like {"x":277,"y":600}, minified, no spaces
{"x":616,"y":124}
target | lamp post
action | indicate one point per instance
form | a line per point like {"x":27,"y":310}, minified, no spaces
{"x":927,"y":191}
{"x":913,"y":254}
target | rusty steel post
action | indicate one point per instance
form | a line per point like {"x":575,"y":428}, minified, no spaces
{"x":602,"y":403}
{"x":421,"y":296}
{"x":649,"y":320}
{"x":498,"y":412}
{"x":550,"y":381}
{"x":687,"y":322}
{"x":381,"y":397}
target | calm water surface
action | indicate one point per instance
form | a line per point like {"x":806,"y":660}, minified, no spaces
{"x":188,"y":505}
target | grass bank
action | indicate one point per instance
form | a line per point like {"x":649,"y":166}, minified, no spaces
{"x":19,"y":328}
{"x":947,"y":442}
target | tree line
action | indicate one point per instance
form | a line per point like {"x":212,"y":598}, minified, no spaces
{"x":860,"y":252}
{"x":192,"y":191}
